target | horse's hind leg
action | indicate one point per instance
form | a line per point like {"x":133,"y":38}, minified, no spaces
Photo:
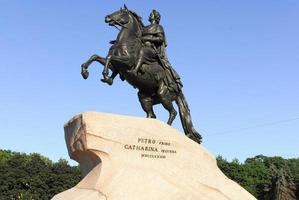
{"x":166,"y":101}
{"x":169,"y":107}
{"x":146,"y":104}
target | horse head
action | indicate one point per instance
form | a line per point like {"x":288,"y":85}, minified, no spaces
{"x":124,"y":18}
{"x":120,"y":17}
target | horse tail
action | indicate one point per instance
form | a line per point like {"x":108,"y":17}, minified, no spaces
{"x":186,"y":119}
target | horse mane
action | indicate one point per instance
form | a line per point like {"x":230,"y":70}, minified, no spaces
{"x":139,"y":19}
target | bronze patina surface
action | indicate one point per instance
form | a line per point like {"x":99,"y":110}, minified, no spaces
{"x":138,"y":56}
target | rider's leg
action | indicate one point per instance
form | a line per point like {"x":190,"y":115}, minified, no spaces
{"x":166,"y":101}
{"x":139,"y":62}
{"x":147,"y":105}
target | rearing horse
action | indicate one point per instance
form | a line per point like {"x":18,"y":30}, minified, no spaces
{"x":151,"y":81}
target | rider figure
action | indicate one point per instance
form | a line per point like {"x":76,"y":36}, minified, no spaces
{"x":153,"y":38}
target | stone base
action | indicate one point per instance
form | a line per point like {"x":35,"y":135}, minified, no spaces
{"x":130,"y":158}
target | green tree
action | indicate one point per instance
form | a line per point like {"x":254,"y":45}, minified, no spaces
{"x":267,"y":178}
{"x":34,"y":177}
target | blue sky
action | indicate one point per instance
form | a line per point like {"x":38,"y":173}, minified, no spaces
{"x":239,"y":62}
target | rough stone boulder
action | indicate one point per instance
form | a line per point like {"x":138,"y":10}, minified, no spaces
{"x":130,"y":158}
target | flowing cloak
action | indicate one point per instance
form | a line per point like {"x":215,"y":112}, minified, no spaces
{"x":158,"y":40}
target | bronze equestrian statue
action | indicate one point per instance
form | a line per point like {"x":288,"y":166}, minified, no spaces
{"x":138,"y":56}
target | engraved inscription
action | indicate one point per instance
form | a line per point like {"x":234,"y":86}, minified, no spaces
{"x":151,"y":148}
{"x":140,"y":148}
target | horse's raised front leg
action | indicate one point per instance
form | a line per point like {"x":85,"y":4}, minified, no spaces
{"x":109,"y":80}
{"x":105,"y":72}
{"x":84,"y":66}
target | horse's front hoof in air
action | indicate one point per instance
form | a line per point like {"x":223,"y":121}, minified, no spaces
{"x":107,"y":80}
{"x":84,"y":73}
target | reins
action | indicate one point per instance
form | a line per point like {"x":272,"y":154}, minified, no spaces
{"x":123,"y":26}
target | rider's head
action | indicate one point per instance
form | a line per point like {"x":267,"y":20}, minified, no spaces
{"x":154,"y":16}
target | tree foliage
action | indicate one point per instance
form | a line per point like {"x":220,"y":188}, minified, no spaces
{"x":34,"y":177}
{"x":267,"y":178}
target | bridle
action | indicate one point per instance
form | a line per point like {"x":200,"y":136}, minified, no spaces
{"x":122,"y":25}
{"x":118,"y":23}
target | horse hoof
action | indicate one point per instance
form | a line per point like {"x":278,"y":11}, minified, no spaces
{"x":109,"y":81}
{"x":85,"y":74}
